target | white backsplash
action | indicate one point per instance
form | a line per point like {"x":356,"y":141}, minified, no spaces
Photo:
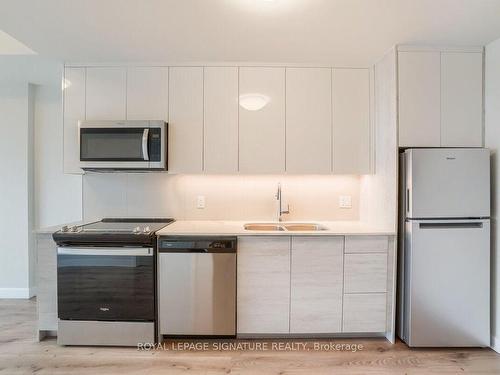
{"x":227,"y":197}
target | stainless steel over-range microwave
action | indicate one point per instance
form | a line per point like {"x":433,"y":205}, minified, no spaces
{"x":123,"y":145}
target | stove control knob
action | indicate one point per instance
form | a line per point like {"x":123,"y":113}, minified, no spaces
{"x":64,"y":229}
{"x":147,"y":229}
{"x":137,"y":230}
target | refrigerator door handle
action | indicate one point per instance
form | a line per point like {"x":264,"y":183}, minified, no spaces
{"x":444,"y":225}
{"x":407,"y":200}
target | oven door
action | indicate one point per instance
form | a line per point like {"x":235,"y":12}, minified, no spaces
{"x":107,"y":284}
{"x":122,"y":145}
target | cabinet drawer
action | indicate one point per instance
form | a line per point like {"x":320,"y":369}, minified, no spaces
{"x":366,"y":244}
{"x":364,"y":312}
{"x":365,"y":273}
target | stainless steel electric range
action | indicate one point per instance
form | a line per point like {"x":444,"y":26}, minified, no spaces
{"x":106,"y":288}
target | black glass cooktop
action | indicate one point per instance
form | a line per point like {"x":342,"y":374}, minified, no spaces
{"x":125,"y":225}
{"x":112,"y":232}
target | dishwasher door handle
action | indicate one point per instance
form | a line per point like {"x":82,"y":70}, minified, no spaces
{"x":197,"y":251}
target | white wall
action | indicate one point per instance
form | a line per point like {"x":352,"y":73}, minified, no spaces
{"x":16,"y":189}
{"x":228,"y":197}
{"x":57,"y":196}
{"x":492,"y":141}
{"x":46,"y":196}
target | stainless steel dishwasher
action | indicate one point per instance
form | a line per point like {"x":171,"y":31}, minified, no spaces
{"x":197,"y":286}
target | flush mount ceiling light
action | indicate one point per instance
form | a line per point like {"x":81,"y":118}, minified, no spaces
{"x":254,"y":102}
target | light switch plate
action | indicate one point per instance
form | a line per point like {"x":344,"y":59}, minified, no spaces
{"x":200,"y":202}
{"x":345,"y":201}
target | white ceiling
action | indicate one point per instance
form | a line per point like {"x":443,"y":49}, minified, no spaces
{"x":337,"y":32}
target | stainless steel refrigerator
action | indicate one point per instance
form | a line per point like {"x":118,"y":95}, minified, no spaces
{"x":444,"y":247}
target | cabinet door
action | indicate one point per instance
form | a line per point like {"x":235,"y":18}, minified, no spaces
{"x":365,"y":312}
{"x":316,"y":285}
{"x":185,"y":145}
{"x":365,"y":273}
{"x":106,"y":93}
{"x":263,"y":285}
{"x":74,"y":110}
{"x":461,"y":99}
{"x":147,"y":93}
{"x":221,"y":119}
{"x":46,"y":299}
{"x":419,"y":99}
{"x":351,"y":121}
{"x":308,"y":120}
{"x":262,"y":120}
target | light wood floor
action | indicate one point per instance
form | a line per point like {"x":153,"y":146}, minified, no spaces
{"x":20,"y":354}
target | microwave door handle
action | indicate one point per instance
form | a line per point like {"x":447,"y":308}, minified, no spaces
{"x":145,"y":137}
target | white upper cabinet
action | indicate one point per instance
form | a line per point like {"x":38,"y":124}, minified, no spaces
{"x":185,"y":144}
{"x":262,"y":120}
{"x":106,"y":93}
{"x":419,"y":99}
{"x":440,"y":97}
{"x":221,"y":119}
{"x":147,"y":93}
{"x":308,"y":120}
{"x":239,"y":119}
{"x":351,"y":121}
{"x":74,"y":93}
{"x":74,"y":110}
{"x":461,"y":99}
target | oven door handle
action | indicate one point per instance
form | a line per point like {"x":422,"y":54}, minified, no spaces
{"x":145,"y":137}
{"x":106,"y":251}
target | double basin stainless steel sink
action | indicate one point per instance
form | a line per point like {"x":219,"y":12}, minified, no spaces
{"x":276,"y":227}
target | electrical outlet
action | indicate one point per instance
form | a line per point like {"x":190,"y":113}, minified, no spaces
{"x":200,"y":202}
{"x":345,"y":201}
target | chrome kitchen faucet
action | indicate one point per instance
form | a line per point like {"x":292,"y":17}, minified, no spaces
{"x":280,"y":210}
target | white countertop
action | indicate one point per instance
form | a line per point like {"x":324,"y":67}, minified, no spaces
{"x":235,"y":228}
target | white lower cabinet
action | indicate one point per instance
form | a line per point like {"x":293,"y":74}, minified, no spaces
{"x":316,"y":285}
{"x":365,"y":273}
{"x":263,"y":285}
{"x":366,"y":244}
{"x":307,"y":285}
{"x":365,"y":313}
{"x":365,"y":284}
{"x":46,"y":255}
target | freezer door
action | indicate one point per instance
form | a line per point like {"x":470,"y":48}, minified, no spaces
{"x":447,"y":183}
{"x":447,"y":283}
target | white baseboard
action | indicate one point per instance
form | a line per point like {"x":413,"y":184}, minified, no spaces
{"x":21,"y":293}
{"x":495,"y":344}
